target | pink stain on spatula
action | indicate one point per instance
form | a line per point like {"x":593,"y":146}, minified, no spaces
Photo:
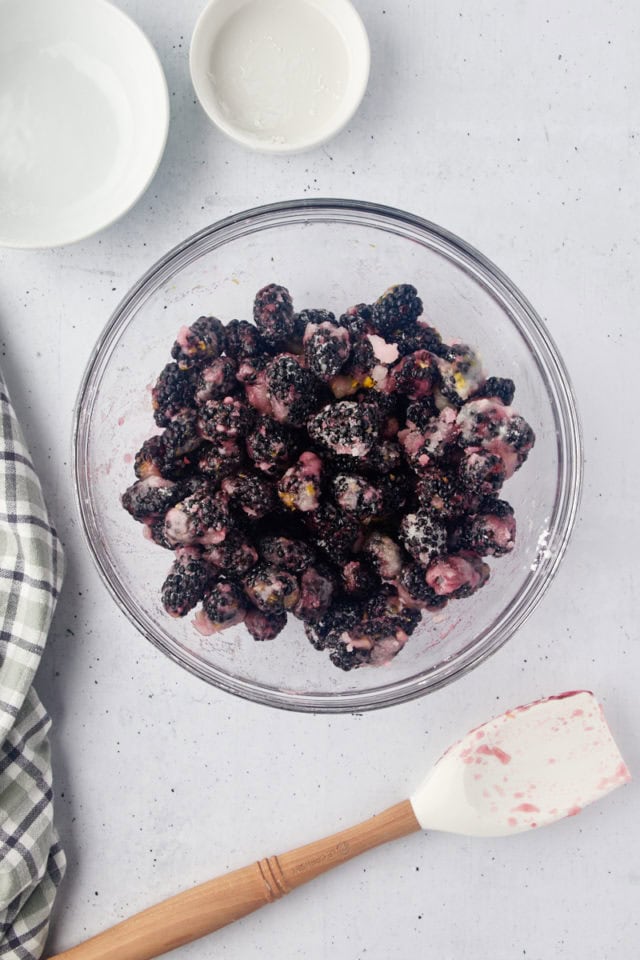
{"x":526,"y":768}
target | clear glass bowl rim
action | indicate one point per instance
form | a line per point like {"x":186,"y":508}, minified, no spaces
{"x":544,"y":352}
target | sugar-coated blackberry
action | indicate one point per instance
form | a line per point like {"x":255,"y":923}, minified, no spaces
{"x":481,"y":472}
{"x":421,"y":414}
{"x":317,"y":586}
{"x":346,"y":659}
{"x":413,"y":580}
{"x":153,"y":530}
{"x":359,"y":579}
{"x":273,"y":314}
{"x":398,"y":307}
{"x":414,"y":375}
{"x":203,"y":340}
{"x":272,"y":446}
{"x":216,"y":380}
{"x":271,"y":590}
{"x":358,"y":319}
{"x":384,"y":458}
{"x":333,"y":530}
{"x":173,"y":390}
{"x":356,"y":496}
{"x":433,"y":442}
{"x":221,"y":460}
{"x":457,"y":575}
{"x":151,"y":497}
{"x":492,"y":532}
{"x":519,"y":435}
{"x":299,"y":486}
{"x":234,"y":555}
{"x":461,"y":374}
{"x":185,"y":584}
{"x":229,"y":417}
{"x":502,"y":388}
{"x":345,"y":428}
{"x":292,"y":391}
{"x":285,"y":553}
{"x":326,"y":349}
{"x":305,"y":317}
{"x":418,"y":336}
{"x":150,"y":459}
{"x":385,"y":555}
{"x":253,"y":494}
{"x":182,"y":435}
{"x":440,"y":492}
{"x":202,"y":517}
{"x":224,"y":603}
{"x":423,"y":535}
{"x":340,"y":618}
{"x":265,"y":626}
{"x":242,"y":339}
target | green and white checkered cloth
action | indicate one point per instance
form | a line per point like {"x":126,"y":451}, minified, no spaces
{"x":31,"y":858}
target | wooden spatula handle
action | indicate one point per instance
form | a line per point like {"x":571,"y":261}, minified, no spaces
{"x":214,"y":904}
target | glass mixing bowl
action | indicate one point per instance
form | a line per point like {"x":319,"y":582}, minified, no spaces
{"x":329,"y":253}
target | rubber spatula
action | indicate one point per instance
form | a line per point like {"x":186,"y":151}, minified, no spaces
{"x":525,"y":769}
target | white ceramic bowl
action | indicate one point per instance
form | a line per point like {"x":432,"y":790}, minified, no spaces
{"x":280,"y":76}
{"x":84,"y":116}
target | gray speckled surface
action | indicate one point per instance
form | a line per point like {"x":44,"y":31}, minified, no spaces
{"x":517,"y":126}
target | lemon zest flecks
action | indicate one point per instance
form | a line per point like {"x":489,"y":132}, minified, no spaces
{"x":459,"y":381}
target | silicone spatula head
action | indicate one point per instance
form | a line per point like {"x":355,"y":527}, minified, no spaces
{"x":526,"y":768}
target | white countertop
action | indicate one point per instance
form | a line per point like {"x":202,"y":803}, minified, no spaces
{"x":517,"y":126}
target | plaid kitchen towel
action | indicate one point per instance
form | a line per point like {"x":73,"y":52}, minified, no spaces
{"x":31,"y":859}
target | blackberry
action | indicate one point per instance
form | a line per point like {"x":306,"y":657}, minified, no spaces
{"x":345,"y":428}
{"x":398,"y":307}
{"x":359,"y":579}
{"x":500,"y":388}
{"x":419,"y":336}
{"x":492,"y":532}
{"x":220,"y":461}
{"x":317,"y":586}
{"x":358,"y":319}
{"x":203,"y":517}
{"x":519,"y":435}
{"x":333,"y":530}
{"x":326,"y":349}
{"x":271,"y":446}
{"x":414,"y":375}
{"x":185,"y":585}
{"x":481,"y":472}
{"x":173,"y":390}
{"x":271,"y":590}
{"x":203,"y":340}
{"x":242,"y":339}
{"x":150,"y":459}
{"x":299,"y":487}
{"x":457,"y":575}
{"x":252,"y":494}
{"x":340,"y":618}
{"x":413,"y":580}
{"x":151,"y":497}
{"x":423,"y":535}
{"x":265,"y":626}
{"x":439,"y":491}
{"x":385,"y":555}
{"x":346,"y":659}
{"x":460,"y":374}
{"x":224,"y":604}
{"x":357,"y":497}
{"x":433,"y":442}
{"x":395,"y":490}
{"x":273,"y":314}
{"x":235,"y":554}
{"x":224,"y":418}
{"x":305,"y":317}
{"x":216,"y":380}
{"x":153,"y":530}
{"x":420,"y":415}
{"x":384,"y":458}
{"x":292,"y":391}
{"x":250,"y":368}
{"x":181,"y":436}
{"x":284,"y":553}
